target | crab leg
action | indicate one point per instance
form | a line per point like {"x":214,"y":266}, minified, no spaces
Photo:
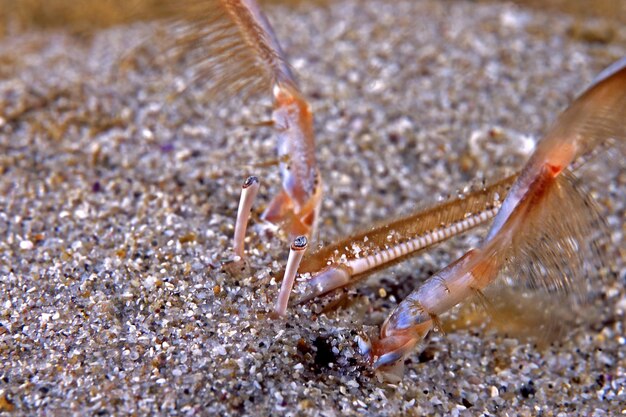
{"x":350,"y":269}
{"x":530,"y":229}
{"x":349,"y":260}
{"x":297,"y":206}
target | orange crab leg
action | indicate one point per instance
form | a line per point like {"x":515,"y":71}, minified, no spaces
{"x":543,"y":207}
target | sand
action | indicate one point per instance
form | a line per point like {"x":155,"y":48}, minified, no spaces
{"x":118,"y":198}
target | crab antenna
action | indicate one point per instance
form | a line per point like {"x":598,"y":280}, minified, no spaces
{"x":296,"y":252}
{"x":249,"y":190}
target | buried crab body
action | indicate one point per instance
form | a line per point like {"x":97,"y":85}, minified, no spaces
{"x":530,"y":214}
{"x":526,"y":223}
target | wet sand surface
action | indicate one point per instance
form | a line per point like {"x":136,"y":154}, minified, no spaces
{"x":118,"y":198}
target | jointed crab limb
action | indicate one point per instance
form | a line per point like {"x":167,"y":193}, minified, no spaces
{"x":352,"y":259}
{"x":297,"y":205}
{"x":293,"y":119}
{"x":298,"y":247}
{"x":245,"y":56}
{"x":229,"y":46}
{"x":263,"y":62}
{"x":341,"y":274}
{"x":249,"y":190}
{"x":531,"y":231}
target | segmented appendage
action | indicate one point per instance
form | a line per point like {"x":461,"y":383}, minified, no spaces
{"x":297,"y":206}
{"x":594,"y":119}
{"x":229,"y":46}
{"x":343,"y":273}
{"x":231,"y":49}
{"x":531,"y":233}
{"x":243,"y":55}
{"x":349,"y":260}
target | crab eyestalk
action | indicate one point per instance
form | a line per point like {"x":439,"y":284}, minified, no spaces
{"x":296,"y":252}
{"x":249,"y":190}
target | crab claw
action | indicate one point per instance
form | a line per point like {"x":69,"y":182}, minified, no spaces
{"x":387,"y":353}
{"x":385,"y":373}
{"x":387,"y":356}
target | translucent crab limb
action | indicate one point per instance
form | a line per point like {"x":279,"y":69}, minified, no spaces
{"x":411,"y":321}
{"x":349,"y":260}
{"x":249,"y":190}
{"x":297,"y":206}
{"x":298,"y":247}
{"x":241,"y":54}
{"x":469,"y":275}
{"x":338,"y":275}
{"x":531,"y":232}
{"x":593,"y":119}
{"x":229,"y":45}
{"x":233,"y":50}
